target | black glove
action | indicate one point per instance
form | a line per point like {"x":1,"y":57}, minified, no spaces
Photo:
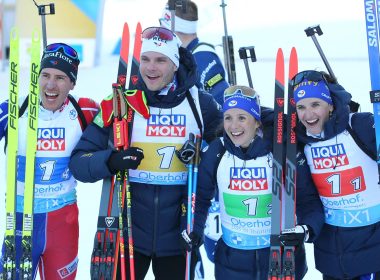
{"x":125,"y":159}
{"x":294,"y":236}
{"x":190,"y":241}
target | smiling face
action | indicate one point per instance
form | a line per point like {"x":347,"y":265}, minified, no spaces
{"x":55,"y":85}
{"x":313,"y":114}
{"x":157,"y":70}
{"x":240,"y":126}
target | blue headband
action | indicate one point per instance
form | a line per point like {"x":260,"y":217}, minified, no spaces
{"x":310,"y":89}
{"x":245,"y":103}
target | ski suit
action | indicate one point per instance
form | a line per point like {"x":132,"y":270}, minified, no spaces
{"x":55,"y":219}
{"x":158,"y":190}
{"x":244,"y":182}
{"x":338,"y":192}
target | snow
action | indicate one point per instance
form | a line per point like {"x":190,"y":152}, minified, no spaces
{"x":344,"y":44}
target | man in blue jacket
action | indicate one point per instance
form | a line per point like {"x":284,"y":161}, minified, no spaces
{"x":171,"y":108}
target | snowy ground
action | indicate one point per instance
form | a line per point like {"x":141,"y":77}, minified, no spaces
{"x":343,"y":42}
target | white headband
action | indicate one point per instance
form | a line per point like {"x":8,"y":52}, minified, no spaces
{"x":181,"y":25}
{"x":165,"y":47}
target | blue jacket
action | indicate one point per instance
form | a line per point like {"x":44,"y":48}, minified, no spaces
{"x":156,"y":209}
{"x":207,"y":186}
{"x":340,"y":252}
{"x":210,"y":70}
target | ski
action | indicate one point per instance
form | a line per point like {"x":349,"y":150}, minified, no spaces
{"x":9,"y":257}
{"x":136,"y":58}
{"x":26,"y":265}
{"x":289,"y":194}
{"x":109,"y":239}
{"x":372,"y":17}
{"x":281,"y":258}
{"x":104,"y":258}
{"x":127,"y":127}
{"x":278,"y":160}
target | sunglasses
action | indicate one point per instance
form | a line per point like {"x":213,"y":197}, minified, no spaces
{"x":309,"y":75}
{"x":69,"y":51}
{"x":160,"y":32}
{"x":243,"y":90}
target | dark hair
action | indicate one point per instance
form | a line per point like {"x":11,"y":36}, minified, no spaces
{"x":191,"y":13}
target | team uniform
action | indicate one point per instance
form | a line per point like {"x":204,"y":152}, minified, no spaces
{"x":338,"y":193}
{"x":243,"y":178}
{"x":159,"y":184}
{"x":55,"y":220}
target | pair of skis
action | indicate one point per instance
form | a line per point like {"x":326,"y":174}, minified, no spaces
{"x":281,"y":260}
{"x":372,"y":17}
{"x":9,"y":257}
{"x":109,"y":239}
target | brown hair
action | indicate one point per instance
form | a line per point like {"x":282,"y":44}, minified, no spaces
{"x":191,"y":13}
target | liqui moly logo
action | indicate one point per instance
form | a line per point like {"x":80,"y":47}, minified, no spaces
{"x":329,"y":156}
{"x":166,"y":125}
{"x":248,"y":179}
{"x":51,"y":139}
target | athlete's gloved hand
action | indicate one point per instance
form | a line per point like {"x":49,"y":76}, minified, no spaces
{"x":294,"y":236}
{"x":190,"y":241}
{"x":125,"y":159}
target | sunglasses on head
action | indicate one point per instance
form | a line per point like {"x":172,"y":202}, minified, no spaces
{"x":309,"y":75}
{"x":69,"y":51}
{"x":160,"y":32}
{"x":243,"y":90}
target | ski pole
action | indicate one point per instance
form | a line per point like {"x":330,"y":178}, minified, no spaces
{"x":44,"y":10}
{"x":244,"y":55}
{"x":195,"y":161}
{"x":189,"y":200}
{"x":228,"y":49}
{"x":310,"y":32}
{"x":198,"y":142}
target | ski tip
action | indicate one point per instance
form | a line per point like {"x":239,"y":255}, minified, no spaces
{"x":293,"y":52}
{"x":293,"y":63}
{"x":280,"y":68}
{"x":14,"y":34}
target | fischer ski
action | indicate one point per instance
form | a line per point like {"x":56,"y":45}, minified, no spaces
{"x":372,"y":11}
{"x":9,"y":257}
{"x":278,"y":160}
{"x":26,"y":266}
{"x":281,"y":258}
